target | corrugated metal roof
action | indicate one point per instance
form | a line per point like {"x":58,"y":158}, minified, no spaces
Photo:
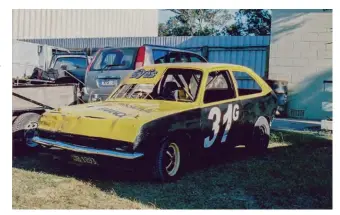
{"x":183,"y":41}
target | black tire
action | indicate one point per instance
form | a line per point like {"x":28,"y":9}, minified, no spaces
{"x":260,"y":137}
{"x":162,"y":160}
{"x":22,"y":130}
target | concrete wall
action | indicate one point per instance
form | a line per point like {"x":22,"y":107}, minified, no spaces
{"x":75,"y":23}
{"x":301,"y":53}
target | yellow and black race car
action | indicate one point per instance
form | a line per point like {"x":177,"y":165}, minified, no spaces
{"x":162,"y":113}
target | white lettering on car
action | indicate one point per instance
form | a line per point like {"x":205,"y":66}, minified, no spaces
{"x":144,"y":73}
{"x":113,"y":112}
{"x":214,"y":112}
{"x":232,"y":114}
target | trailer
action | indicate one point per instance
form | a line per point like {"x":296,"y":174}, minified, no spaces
{"x":30,"y":99}
{"x":27,"y":56}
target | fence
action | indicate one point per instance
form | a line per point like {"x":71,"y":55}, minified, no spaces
{"x":250,"y":51}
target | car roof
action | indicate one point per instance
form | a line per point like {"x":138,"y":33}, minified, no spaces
{"x":162,"y":68}
{"x":202,"y":65}
{"x":153,"y":46}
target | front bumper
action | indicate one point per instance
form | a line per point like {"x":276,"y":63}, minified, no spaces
{"x":86,"y":150}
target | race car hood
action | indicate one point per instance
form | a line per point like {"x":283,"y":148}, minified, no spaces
{"x":118,"y":120}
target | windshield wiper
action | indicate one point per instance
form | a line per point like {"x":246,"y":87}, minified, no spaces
{"x":111,"y":65}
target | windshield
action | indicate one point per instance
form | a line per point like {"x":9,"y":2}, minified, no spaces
{"x":175,"y":85}
{"x":71,"y":63}
{"x":114,"y":59}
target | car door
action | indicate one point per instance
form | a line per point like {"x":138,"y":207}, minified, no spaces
{"x":220,"y":112}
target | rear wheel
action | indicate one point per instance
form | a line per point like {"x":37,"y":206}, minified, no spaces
{"x":168,"y":164}
{"x":260,"y":137}
{"x":23,"y":129}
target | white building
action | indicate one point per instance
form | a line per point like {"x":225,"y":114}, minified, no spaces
{"x":83,"y":23}
{"x":301,"y":53}
{"x":71,"y":23}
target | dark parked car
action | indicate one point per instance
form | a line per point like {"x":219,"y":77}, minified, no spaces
{"x":75,"y":64}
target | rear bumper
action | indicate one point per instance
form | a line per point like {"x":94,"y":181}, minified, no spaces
{"x":87,"y":150}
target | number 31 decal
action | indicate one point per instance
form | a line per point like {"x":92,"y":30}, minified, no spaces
{"x":232,"y":114}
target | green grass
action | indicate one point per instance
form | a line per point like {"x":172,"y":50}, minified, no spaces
{"x":295,"y":173}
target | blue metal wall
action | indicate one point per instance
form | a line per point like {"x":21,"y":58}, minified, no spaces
{"x":250,"y":51}
{"x":255,"y":58}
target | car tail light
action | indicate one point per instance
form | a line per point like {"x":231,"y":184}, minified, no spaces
{"x":140,"y":57}
{"x":89,"y":66}
{"x":93,"y":59}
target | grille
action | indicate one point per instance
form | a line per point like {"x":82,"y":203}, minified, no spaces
{"x":297,"y":113}
{"x":78,"y":140}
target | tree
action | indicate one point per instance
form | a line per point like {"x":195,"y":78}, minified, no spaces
{"x":250,"y":22}
{"x":173,"y":27}
{"x":233,"y":30}
{"x":195,"y":22}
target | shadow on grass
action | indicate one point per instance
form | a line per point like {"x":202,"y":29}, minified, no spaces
{"x":295,"y":173}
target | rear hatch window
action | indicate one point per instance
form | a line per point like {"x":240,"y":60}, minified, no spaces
{"x":115,"y":59}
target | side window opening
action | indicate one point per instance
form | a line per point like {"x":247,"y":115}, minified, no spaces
{"x":184,"y":58}
{"x":174,"y":57}
{"x":218,"y":87}
{"x":246,"y":84}
{"x":196,"y":58}
{"x":180,"y":85}
{"x":159,"y":56}
{"x":164,"y":56}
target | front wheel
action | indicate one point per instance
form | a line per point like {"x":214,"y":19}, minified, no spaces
{"x":23,"y":130}
{"x":168,"y":163}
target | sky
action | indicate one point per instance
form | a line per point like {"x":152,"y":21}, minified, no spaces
{"x":164,"y":15}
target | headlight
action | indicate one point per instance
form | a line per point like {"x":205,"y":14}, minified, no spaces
{"x":95,"y":98}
